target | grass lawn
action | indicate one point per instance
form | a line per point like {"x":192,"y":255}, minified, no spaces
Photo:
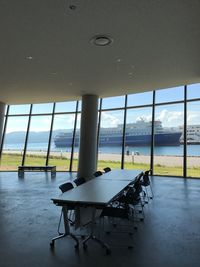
{"x":12,"y":161}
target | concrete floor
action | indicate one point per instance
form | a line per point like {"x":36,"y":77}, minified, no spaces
{"x":169,"y":236}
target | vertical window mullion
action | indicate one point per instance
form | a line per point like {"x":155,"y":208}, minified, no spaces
{"x":73,"y":138}
{"x":185,"y":134}
{"x":124,"y":133}
{"x":152,"y":133}
{"x":50,"y":135}
{"x":98,"y":129}
{"x":27,"y":134}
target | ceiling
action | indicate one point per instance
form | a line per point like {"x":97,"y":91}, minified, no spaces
{"x":46,"y":54}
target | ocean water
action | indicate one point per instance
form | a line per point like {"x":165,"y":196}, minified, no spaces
{"x":192,"y":150}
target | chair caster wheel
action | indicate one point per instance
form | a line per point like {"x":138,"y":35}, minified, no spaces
{"x":84,"y":246}
{"x":76,"y":246}
{"x":108,"y":251}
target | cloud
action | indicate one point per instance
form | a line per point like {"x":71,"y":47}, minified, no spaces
{"x":109,"y":120}
{"x":193,"y":117}
{"x":175,"y":118}
{"x":64,"y":121}
{"x":170,"y":118}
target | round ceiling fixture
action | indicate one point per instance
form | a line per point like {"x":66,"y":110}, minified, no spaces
{"x":101,"y":40}
{"x":72,"y":7}
{"x":29,"y":57}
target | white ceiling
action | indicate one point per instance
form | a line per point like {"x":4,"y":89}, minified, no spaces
{"x":156,"y":45}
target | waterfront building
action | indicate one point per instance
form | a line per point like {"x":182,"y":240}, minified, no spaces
{"x":193,"y":134}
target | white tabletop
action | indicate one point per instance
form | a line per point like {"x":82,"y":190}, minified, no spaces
{"x":100,"y":190}
{"x":123,"y":175}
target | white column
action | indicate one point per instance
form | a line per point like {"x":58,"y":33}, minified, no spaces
{"x":2,"y":114}
{"x":88,"y":137}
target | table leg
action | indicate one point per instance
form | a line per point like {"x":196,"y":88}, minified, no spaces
{"x":93,"y":237}
{"x":67,"y":230}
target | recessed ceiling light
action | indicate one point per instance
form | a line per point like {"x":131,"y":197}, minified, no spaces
{"x":101,"y":40}
{"x":118,"y":60}
{"x":29,"y":57}
{"x":72,"y":7}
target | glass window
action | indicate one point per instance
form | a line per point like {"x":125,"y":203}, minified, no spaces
{"x":38,"y":140}
{"x":110,"y":139}
{"x":42,"y":108}
{"x":79,"y":105}
{"x":69,"y":106}
{"x":14,"y":140}
{"x":138,"y":138}
{"x":170,"y":94}
{"x":61,"y":143}
{"x":19,"y":109}
{"x":193,"y":91}
{"x":140,"y":99}
{"x":193,"y":139}
{"x":168,"y":130}
{"x":76,"y":144}
{"x":113,"y":102}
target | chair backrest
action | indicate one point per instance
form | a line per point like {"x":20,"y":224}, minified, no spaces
{"x":137,"y":183}
{"x":79,"y":181}
{"x":146,"y":180}
{"x":66,"y":186}
{"x":97,"y":173}
{"x":107,"y":169}
{"x":132,"y":196}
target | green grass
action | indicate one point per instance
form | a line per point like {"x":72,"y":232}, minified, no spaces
{"x":12,"y":161}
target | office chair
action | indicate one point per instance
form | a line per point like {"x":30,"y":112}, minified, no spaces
{"x":107,"y":169}
{"x":97,"y":173}
{"x":133,"y":201}
{"x":118,"y":221}
{"x":79,"y":181}
{"x":126,"y":204}
{"x":145,"y":183}
{"x":64,"y":188}
{"x":131,"y":197}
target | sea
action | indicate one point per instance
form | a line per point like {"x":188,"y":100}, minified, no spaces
{"x":192,"y":150}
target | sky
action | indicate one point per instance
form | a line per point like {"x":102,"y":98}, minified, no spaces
{"x":170,"y":115}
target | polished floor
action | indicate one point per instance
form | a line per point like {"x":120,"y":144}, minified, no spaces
{"x":169,"y":236}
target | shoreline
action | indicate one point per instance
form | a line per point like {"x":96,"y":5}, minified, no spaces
{"x":163,"y":160}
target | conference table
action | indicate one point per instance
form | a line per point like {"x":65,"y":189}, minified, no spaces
{"x":95,"y":194}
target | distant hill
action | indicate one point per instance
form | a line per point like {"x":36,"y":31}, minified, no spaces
{"x":34,"y":137}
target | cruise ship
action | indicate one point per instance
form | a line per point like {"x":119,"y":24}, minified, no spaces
{"x":137,"y":134}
